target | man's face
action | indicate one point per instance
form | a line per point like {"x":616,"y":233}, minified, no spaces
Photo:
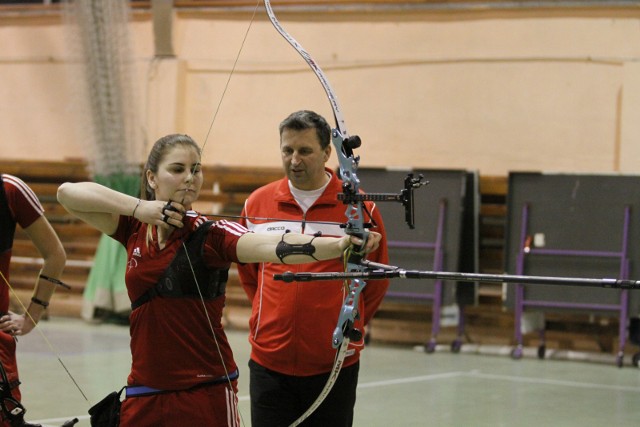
{"x":303,"y":159}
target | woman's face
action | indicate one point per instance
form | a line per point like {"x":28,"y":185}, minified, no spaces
{"x":179,"y":176}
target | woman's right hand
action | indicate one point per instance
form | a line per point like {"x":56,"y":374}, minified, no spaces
{"x":160,"y":213}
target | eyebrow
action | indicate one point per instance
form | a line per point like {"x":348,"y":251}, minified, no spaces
{"x":183,"y":164}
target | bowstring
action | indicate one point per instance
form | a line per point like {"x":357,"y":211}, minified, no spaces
{"x":42,"y":334}
{"x":210,"y":322}
{"x":233,"y":69}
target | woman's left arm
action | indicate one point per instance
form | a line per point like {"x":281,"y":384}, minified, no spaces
{"x":54,"y":256}
{"x":298,"y":248}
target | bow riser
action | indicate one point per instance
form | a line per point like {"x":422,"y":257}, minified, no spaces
{"x":355,"y":226}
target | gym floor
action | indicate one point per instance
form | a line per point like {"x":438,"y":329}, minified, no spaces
{"x":398,"y":385}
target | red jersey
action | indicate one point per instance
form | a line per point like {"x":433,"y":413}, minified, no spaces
{"x":18,"y":205}
{"x":292,"y":324}
{"x":172,"y":346}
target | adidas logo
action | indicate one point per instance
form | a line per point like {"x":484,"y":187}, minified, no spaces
{"x":136,"y":253}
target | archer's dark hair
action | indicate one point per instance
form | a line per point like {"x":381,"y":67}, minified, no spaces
{"x":158,"y":151}
{"x":305,"y":119}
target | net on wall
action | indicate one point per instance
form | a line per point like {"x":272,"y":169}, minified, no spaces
{"x":99,"y":33}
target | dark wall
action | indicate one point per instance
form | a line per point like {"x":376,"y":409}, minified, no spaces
{"x":573,"y":212}
{"x":451,"y":195}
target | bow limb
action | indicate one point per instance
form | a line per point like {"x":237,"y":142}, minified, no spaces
{"x":340,"y":136}
{"x":333,"y":376}
{"x":344,"y":331}
{"x":333,"y":99}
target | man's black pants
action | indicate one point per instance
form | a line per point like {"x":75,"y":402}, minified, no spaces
{"x":277,"y":400}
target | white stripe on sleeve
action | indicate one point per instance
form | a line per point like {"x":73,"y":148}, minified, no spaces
{"x":28,"y":194}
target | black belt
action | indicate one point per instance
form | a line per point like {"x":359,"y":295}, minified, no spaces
{"x":141,"y":390}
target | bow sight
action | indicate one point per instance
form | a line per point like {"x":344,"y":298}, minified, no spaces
{"x":405,"y":196}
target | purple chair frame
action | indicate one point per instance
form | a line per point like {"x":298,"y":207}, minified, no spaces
{"x":436,"y":296}
{"x":521,"y":302}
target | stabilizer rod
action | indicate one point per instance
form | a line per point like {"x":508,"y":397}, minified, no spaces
{"x":380,"y":274}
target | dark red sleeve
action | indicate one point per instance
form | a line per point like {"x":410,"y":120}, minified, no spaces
{"x":222,"y":241}
{"x":248,"y":272}
{"x":125,"y":225}
{"x":23,"y":202}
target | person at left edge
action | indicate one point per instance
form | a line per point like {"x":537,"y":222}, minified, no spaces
{"x":181,"y":374}
{"x":19,"y":205}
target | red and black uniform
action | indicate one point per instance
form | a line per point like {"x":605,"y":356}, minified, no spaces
{"x":292,"y":324}
{"x":18,"y":205}
{"x":172,"y":346}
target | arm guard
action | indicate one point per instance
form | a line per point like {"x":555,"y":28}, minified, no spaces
{"x":285,"y":249}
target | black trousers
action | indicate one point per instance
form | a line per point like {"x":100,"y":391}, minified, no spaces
{"x":277,"y":400}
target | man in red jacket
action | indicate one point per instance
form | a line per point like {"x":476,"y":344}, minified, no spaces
{"x":291,"y":324}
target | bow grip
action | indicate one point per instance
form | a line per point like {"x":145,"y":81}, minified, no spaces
{"x":357,"y":254}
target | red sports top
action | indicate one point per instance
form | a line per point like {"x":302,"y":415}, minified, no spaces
{"x":18,"y":205}
{"x":292,"y":324}
{"x":172,"y":347}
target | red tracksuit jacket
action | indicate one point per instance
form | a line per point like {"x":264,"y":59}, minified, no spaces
{"x":292,"y":324}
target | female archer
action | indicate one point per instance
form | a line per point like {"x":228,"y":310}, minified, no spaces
{"x":183,"y":371}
